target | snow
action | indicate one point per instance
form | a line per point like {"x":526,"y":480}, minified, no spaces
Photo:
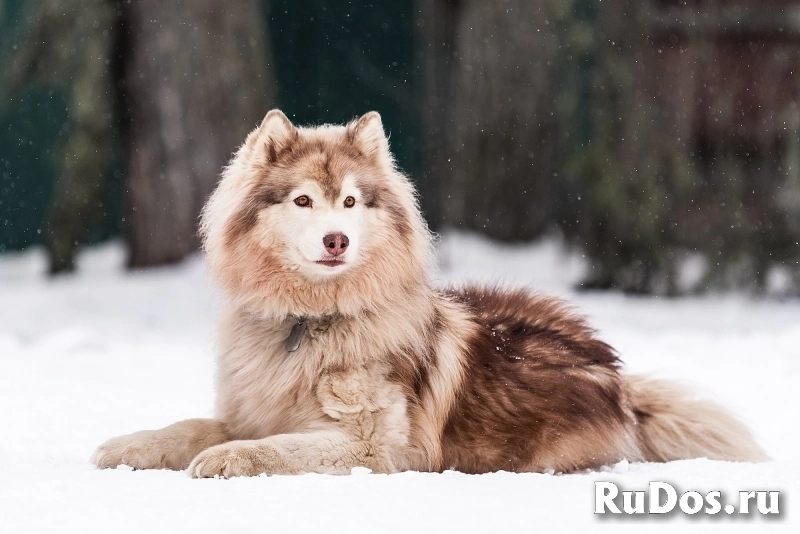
{"x":105,"y":352}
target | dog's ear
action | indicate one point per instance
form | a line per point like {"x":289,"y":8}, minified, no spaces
{"x":277,"y":133}
{"x":368,"y":135}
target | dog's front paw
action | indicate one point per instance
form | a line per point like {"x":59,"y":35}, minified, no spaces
{"x":138,"y":450}
{"x":237,"y":459}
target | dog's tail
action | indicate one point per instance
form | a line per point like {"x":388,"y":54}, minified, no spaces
{"x":674,"y":424}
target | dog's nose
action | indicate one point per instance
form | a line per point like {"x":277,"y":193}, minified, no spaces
{"x":335,"y":243}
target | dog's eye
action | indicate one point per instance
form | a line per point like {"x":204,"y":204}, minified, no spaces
{"x":303,"y":201}
{"x":349,"y":202}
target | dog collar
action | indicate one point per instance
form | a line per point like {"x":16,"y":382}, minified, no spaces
{"x":296,"y":335}
{"x":318,"y":325}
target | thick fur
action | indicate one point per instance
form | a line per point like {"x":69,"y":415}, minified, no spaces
{"x":675,"y":423}
{"x":391,"y":373}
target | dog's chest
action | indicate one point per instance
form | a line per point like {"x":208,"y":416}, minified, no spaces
{"x":263,"y":389}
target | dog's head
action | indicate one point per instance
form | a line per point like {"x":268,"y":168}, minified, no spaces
{"x":317,"y":220}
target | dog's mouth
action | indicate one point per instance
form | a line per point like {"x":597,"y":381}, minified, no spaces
{"x":330,"y":262}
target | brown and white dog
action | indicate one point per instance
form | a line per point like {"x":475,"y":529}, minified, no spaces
{"x":337,"y":351}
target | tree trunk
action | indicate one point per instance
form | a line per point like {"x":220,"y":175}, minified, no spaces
{"x":488,"y":102}
{"x":198,"y":78}
{"x":71,"y":45}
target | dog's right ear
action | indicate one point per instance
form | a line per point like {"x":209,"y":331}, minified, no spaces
{"x":277,"y":133}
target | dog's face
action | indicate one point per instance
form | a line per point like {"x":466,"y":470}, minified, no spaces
{"x":320,"y":206}
{"x":320,"y":217}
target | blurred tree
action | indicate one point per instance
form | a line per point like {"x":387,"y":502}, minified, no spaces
{"x":690,"y":147}
{"x":71,"y":44}
{"x":489,"y":91}
{"x":199,"y":77}
{"x":634,"y":171}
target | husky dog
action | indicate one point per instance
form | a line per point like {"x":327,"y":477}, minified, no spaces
{"x":336,"y":351}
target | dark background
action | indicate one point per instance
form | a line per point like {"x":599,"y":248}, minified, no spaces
{"x":642,"y":132}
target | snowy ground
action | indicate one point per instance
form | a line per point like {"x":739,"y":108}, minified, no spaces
{"x":104,"y":353}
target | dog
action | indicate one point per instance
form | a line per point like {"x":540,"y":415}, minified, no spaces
{"x":336,"y":351}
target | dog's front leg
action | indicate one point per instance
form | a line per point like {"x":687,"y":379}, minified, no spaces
{"x":369,"y":427}
{"x":332,"y":451}
{"x":172,"y":447}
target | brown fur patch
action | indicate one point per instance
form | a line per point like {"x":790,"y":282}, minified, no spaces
{"x":326,"y":163}
{"x":263,"y":195}
{"x":380,"y":196}
{"x":537,"y":379}
{"x":411,"y":367}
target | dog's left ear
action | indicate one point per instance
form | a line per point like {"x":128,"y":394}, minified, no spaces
{"x":368,"y":135}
